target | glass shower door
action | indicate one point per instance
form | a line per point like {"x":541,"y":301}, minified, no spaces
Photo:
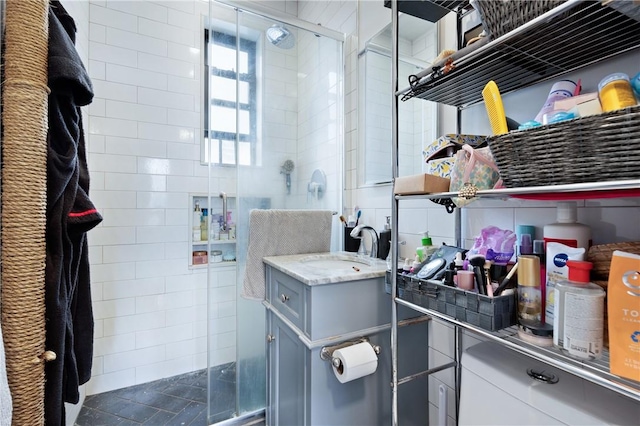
{"x":287,"y":127}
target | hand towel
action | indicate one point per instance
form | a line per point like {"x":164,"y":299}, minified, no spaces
{"x":282,"y":232}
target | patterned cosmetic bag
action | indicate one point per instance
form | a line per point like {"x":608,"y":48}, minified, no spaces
{"x":440,"y":157}
{"x":474,"y":169}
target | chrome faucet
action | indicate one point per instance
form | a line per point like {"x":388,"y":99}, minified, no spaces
{"x":357,"y":233}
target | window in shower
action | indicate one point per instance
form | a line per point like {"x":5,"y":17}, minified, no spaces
{"x":230,"y":106}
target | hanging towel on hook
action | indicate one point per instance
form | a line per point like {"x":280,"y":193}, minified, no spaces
{"x":70,"y":214}
{"x":282,"y":232}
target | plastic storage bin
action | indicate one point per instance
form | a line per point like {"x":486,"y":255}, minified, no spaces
{"x":489,"y":313}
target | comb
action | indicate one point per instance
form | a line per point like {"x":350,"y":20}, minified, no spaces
{"x":495,"y":109}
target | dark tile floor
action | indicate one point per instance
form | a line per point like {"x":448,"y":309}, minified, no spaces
{"x":179,"y":400}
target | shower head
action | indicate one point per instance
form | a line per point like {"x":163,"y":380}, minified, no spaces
{"x":286,"y":169}
{"x":281,"y":37}
{"x":288,"y":166}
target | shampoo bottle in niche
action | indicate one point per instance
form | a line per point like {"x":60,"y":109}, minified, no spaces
{"x":195,"y":223}
{"x":385,"y":240}
{"x":204,"y":225}
{"x":567,"y":230}
{"x":578,"y":320}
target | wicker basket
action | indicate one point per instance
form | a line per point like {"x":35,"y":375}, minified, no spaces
{"x":600,"y":255}
{"x":597,"y":148}
{"x":501,"y":16}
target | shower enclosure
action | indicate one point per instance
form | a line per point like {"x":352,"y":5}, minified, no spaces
{"x":273,"y":123}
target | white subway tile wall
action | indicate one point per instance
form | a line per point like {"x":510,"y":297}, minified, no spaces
{"x":144,"y":131}
{"x":143,"y":138}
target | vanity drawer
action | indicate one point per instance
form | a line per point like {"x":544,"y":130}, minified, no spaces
{"x":287,"y":296}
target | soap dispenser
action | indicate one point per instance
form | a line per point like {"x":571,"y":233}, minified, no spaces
{"x":385,"y":240}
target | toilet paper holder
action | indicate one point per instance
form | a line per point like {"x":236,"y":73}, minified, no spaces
{"x":326,"y":353}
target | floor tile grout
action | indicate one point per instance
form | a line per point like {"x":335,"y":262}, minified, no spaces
{"x":186,"y":395}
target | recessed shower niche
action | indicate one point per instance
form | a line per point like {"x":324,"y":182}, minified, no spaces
{"x":212,"y":230}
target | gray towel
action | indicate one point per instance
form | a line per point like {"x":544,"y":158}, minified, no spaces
{"x":282,"y":232}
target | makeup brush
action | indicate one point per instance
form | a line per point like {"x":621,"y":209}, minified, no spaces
{"x":503,"y":285}
{"x":477,"y":261}
{"x":487,"y":278}
{"x":343,"y":220}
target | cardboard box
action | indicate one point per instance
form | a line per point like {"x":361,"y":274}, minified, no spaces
{"x":420,"y":184}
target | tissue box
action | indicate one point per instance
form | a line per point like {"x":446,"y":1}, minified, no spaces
{"x":420,"y":184}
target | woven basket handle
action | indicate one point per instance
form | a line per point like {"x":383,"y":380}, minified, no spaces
{"x":473,"y":156}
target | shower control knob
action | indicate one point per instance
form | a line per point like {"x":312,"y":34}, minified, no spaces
{"x":284,"y":298}
{"x":270,"y":338}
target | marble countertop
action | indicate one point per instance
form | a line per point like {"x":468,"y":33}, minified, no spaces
{"x":326,"y":268}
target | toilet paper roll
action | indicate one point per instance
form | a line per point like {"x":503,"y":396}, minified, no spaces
{"x":356,"y":361}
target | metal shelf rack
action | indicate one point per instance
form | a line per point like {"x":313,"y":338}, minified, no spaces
{"x":609,"y":189}
{"x":573,"y":35}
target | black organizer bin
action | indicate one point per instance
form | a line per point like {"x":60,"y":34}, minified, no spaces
{"x":489,"y":313}
{"x":407,"y":287}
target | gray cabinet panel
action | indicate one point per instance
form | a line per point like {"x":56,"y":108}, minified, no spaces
{"x":286,"y":376}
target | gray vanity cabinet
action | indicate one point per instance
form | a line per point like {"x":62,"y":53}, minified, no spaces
{"x":285,"y":370}
{"x":303,"y":318}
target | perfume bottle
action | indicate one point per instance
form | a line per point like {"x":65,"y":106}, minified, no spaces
{"x":529,"y":298}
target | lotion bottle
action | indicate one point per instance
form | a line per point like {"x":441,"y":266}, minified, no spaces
{"x":567,"y":230}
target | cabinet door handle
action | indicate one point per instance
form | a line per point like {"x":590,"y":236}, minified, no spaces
{"x":270,"y":338}
{"x":284,"y":298}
